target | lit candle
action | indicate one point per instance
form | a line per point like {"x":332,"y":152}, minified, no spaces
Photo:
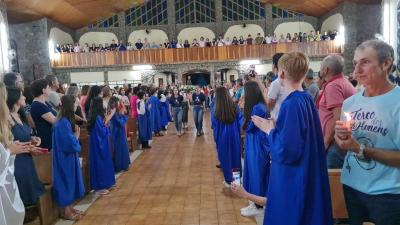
{"x":348,"y":120}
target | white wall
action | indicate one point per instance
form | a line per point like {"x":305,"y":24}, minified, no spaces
{"x":195,"y":32}
{"x":60,"y":37}
{"x":4,"y":61}
{"x":293,"y":27}
{"x":390,"y":23}
{"x":97,"y":38}
{"x":332,"y":23}
{"x":121,"y":76}
{"x":239,"y":30}
{"x":87,"y":77}
{"x":155,"y":35}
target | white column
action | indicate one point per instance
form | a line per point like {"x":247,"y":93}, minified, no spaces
{"x":389,"y":22}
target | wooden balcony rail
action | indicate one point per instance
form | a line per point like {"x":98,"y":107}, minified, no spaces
{"x":185,"y":55}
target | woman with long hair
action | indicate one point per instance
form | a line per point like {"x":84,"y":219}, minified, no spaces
{"x":118,"y":136}
{"x":67,"y":174}
{"x":144,"y":123}
{"x":227,"y":126}
{"x":100,"y":159}
{"x":185,"y":109}
{"x":176,"y":101}
{"x":12,"y":209}
{"x":155,"y":113}
{"x":94,"y":91}
{"x":256,"y":158}
{"x":29,"y":185}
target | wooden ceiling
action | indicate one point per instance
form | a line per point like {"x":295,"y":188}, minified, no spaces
{"x":315,"y":8}
{"x":79,"y":13}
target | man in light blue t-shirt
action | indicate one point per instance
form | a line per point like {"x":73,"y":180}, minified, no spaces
{"x":371,"y":170}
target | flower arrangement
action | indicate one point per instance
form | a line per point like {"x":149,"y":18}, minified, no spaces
{"x":187,"y":88}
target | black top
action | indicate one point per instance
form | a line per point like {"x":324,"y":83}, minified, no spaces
{"x":139,"y":45}
{"x":176,"y":101}
{"x":43,"y":128}
{"x":198,"y":99}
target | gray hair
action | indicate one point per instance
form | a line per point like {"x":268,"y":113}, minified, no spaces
{"x":383,"y":50}
{"x":72,"y":90}
{"x":334,"y":62}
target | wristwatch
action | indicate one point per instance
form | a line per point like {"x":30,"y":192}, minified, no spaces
{"x":360,"y":155}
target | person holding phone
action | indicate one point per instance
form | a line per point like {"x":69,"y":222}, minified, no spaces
{"x":67,"y":174}
{"x":100,"y":159}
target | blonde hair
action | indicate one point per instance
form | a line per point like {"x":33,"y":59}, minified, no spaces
{"x":295,"y":64}
{"x":6,"y":136}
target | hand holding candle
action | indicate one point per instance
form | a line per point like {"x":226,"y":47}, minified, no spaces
{"x":348,"y":123}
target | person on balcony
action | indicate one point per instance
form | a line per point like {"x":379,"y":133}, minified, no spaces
{"x":121,"y":47}
{"x":202,"y":43}
{"x":113,"y":45}
{"x":139,"y":44}
{"x":235,"y":41}
{"x":249,"y":40}
{"x":146,"y":44}
{"x":288,"y":37}
{"x":259,"y":39}
{"x":274,"y":39}
{"x":186,"y":44}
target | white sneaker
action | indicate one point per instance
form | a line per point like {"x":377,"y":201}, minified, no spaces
{"x":226,"y":184}
{"x":251,"y":211}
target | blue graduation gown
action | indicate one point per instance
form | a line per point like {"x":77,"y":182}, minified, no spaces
{"x":119,"y":142}
{"x":67,"y":174}
{"x":228,"y":145}
{"x":164,"y":113}
{"x":100,"y":160}
{"x":145,"y":131}
{"x":155,"y":114}
{"x":298,"y":191}
{"x":256,"y":156}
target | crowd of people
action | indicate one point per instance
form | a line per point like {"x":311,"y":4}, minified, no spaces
{"x":201,"y":42}
{"x":296,"y":125}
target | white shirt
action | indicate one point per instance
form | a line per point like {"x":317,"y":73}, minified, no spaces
{"x":220,"y":43}
{"x":202,"y":44}
{"x":12,"y":210}
{"x":268,"y":40}
{"x":141,"y":110}
{"x":227,"y":43}
{"x":278,"y":93}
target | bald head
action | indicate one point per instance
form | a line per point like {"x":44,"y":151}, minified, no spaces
{"x":332,"y":65}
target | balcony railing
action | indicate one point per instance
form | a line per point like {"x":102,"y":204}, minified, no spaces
{"x":187,"y":55}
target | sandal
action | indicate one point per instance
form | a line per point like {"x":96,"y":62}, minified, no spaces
{"x":79,"y":212}
{"x":73,"y":217}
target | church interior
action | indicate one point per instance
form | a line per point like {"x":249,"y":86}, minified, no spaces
{"x":183,"y":112}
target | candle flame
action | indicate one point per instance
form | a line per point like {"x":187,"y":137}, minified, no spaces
{"x":348,"y":116}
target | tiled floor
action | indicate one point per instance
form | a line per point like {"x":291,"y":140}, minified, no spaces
{"x":174,"y":183}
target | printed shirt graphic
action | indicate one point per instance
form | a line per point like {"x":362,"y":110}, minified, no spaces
{"x":377,"y":125}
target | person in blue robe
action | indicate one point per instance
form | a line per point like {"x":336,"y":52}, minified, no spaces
{"x":67,"y":174}
{"x":155,"y":114}
{"x":227,"y":125}
{"x":100,"y":160}
{"x":298,"y":190}
{"x":164,"y":110}
{"x":118,"y":138}
{"x":144,"y":124}
{"x":256,"y":159}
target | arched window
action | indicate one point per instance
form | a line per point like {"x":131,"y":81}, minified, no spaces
{"x":234,"y":10}
{"x":154,"y":12}
{"x":195,"y":11}
{"x":4,"y":61}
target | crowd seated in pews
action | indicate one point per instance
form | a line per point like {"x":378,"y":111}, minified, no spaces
{"x":200,"y":42}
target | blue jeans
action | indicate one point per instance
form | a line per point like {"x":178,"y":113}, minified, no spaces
{"x":383,"y":209}
{"x":334,"y":158}
{"x":198,"y":117}
{"x":178,"y":112}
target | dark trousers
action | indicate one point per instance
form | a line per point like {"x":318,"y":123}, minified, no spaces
{"x":383,"y":209}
